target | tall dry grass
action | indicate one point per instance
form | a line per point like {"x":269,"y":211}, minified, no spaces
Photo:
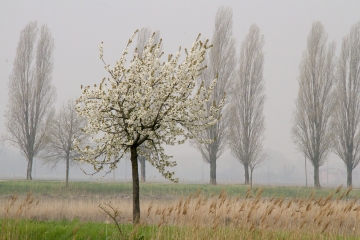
{"x":323,"y":215}
{"x":206,"y":216}
{"x":61,"y":208}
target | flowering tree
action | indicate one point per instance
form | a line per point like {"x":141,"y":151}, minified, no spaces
{"x":146,"y":104}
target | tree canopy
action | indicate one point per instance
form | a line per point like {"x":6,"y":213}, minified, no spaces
{"x":146,"y":103}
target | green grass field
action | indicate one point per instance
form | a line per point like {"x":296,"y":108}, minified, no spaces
{"x":104,"y":188}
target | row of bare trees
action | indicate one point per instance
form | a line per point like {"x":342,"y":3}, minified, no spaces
{"x":327,"y":115}
{"x":242,"y":125}
{"x":33,"y":126}
{"x":31,"y":122}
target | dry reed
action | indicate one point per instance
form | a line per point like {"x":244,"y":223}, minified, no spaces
{"x":221,"y":213}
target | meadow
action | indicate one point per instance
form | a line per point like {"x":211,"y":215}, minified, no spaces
{"x":175,"y":211}
{"x":76,"y":189}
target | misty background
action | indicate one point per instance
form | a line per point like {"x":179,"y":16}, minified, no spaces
{"x":78,"y":27}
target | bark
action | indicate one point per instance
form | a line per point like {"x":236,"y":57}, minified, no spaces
{"x":251,"y":175}
{"x":142,"y":161}
{"x":213,"y":171}
{"x":305,"y":173}
{"x":67,"y":170}
{"x":316,"y":177}
{"x":246,"y":167}
{"x":349,"y":176}
{"x":136,"y":189}
{"x":29,"y":168}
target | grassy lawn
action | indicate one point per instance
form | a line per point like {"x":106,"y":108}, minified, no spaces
{"x":55,"y":188}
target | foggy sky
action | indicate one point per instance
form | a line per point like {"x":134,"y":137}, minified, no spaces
{"x":78,"y":27}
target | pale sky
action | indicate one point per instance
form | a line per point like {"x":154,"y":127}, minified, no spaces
{"x":78,"y":27}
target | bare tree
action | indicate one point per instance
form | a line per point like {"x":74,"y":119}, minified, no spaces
{"x":311,"y":131}
{"x":306,"y":174}
{"x":65,"y":128}
{"x":255,"y":164}
{"x":3,"y":154}
{"x":246,"y":129}
{"x":142,"y":40}
{"x":142,"y":161}
{"x":346,"y":118}
{"x":31,"y":94}
{"x":221,"y":63}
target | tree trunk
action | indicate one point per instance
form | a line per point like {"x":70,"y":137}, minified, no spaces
{"x":349,"y":176}
{"x":316,"y":177}
{"x":305,"y":173}
{"x":213,"y":171}
{"x":136,"y":189}
{"x":67,"y":171}
{"x":29,"y":168}
{"x":246,"y":167}
{"x":142,"y":161}
{"x":251,"y":175}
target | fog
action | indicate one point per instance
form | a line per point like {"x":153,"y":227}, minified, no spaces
{"x":78,"y":27}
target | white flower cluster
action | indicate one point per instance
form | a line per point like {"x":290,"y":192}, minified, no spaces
{"x":149,"y":103}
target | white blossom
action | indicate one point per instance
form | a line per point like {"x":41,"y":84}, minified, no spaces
{"x":148,"y":103}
